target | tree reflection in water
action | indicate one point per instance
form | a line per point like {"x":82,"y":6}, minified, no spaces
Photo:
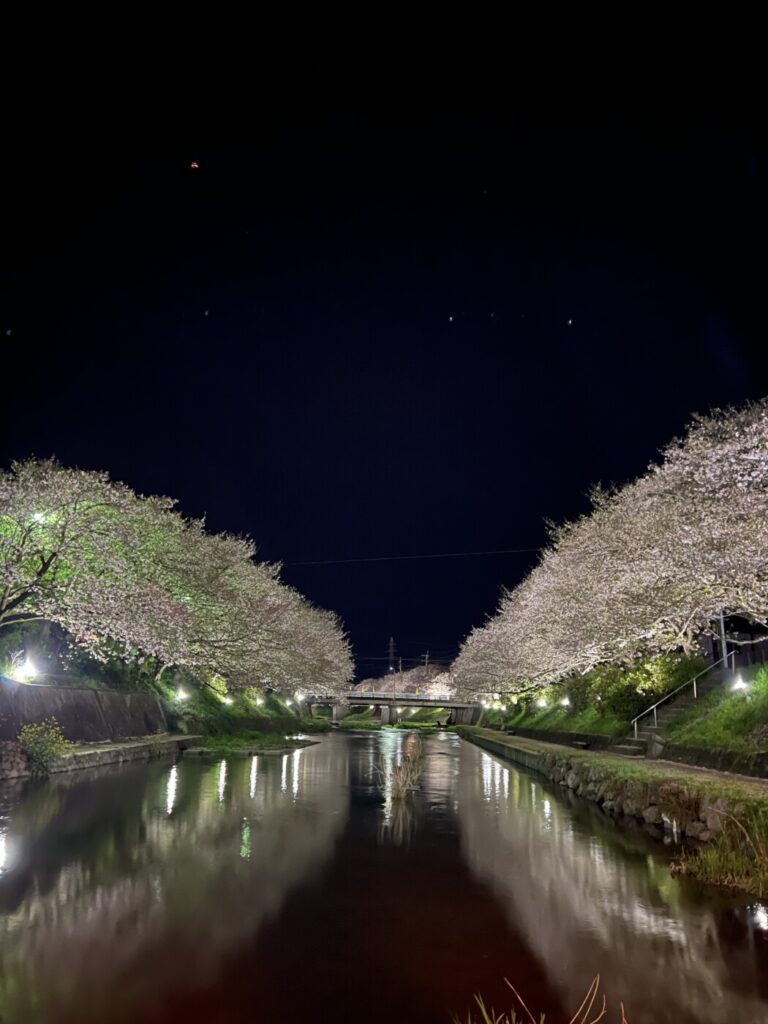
{"x":590,"y":899}
{"x":162,"y":865}
{"x":130,"y":891}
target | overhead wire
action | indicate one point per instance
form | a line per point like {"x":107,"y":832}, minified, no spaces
{"x":413,"y":558}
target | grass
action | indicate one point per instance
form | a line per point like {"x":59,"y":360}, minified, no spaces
{"x":560,"y":719}
{"x":737,"y":857}
{"x":246,"y":741}
{"x":726,"y":720}
{"x":360,"y":722}
{"x":593,"y":1009}
{"x":409,"y":723}
{"x":406,"y":774}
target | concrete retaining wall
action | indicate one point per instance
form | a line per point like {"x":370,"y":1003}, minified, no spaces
{"x":596,"y":741}
{"x":84,"y":715}
{"x":734,"y":761}
{"x":14,"y":763}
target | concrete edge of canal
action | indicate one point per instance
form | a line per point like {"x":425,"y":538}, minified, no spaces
{"x":13,"y":760}
{"x":690,"y":802}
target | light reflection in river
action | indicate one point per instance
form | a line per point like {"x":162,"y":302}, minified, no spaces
{"x":109,"y":885}
{"x":142,"y":884}
{"x":295,"y":772}
{"x":170,"y":793}
{"x":589,"y":903}
{"x":222,"y":780}
{"x":253,"y":776}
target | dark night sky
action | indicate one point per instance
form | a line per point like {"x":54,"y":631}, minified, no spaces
{"x":389,"y":243}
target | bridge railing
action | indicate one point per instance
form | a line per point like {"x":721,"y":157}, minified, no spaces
{"x":363,"y":697}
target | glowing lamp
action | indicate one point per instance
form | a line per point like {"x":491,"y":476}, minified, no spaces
{"x":24,"y":672}
{"x":182,"y":694}
{"x":565,"y":702}
{"x":541,"y":703}
{"x":739,"y":684}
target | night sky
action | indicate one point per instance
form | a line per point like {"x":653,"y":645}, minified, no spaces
{"x":414,"y":299}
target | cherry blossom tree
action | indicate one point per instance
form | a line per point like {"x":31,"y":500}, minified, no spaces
{"x":64,"y":535}
{"x":647,"y":570}
{"x":126,"y":573}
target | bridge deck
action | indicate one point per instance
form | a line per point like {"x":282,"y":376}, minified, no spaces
{"x":396,"y":700}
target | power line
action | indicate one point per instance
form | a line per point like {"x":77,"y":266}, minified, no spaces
{"x":411,"y":558}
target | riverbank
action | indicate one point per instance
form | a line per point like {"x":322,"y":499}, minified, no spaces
{"x":248,"y":745}
{"x":725,"y":815}
{"x":14,"y":762}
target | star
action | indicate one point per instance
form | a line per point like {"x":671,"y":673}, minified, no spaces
{"x":450,"y":319}
{"x":570,"y":323}
{"x":194,"y":165}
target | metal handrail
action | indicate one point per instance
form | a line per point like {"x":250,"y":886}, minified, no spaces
{"x":689,"y":682}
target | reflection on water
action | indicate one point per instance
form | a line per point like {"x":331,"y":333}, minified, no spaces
{"x":590,"y":898}
{"x":159,"y":869}
{"x":206,"y":891}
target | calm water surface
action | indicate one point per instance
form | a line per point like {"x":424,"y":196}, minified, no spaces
{"x":286,"y":889}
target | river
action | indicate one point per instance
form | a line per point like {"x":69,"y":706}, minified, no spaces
{"x":283,"y":889}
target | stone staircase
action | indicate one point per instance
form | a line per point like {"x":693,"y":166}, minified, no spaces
{"x":647,"y":731}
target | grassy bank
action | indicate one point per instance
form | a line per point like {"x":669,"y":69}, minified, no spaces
{"x":730,"y":816}
{"x":603,"y":701}
{"x":362,"y":718}
{"x":248,"y":742}
{"x":727,"y":719}
{"x":562,"y":719}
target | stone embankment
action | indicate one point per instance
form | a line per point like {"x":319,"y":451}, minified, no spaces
{"x":664,"y":802}
{"x":688,"y":802}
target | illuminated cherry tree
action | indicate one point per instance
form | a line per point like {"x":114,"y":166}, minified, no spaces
{"x":64,"y":535}
{"x":126,"y":573}
{"x":647,"y":570}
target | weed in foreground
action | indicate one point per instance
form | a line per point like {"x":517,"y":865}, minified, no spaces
{"x":591,"y":1010}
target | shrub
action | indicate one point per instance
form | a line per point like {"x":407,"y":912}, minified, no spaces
{"x":44,"y":744}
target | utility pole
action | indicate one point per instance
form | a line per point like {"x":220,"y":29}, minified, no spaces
{"x":400,"y":671}
{"x":391,"y":654}
{"x":723,"y":641}
{"x":426,"y":660}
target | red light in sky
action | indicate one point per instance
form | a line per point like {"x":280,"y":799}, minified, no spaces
{"x":194,"y":165}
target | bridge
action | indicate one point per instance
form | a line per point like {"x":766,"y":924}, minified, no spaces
{"x":389,"y":706}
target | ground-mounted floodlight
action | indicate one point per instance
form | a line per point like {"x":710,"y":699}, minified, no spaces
{"x":25,"y":671}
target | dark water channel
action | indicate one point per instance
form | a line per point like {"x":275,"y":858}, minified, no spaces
{"x":286,"y":889}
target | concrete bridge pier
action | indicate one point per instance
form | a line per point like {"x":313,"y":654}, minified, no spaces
{"x":464,"y":716}
{"x":340,"y":711}
{"x":389,"y":715}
